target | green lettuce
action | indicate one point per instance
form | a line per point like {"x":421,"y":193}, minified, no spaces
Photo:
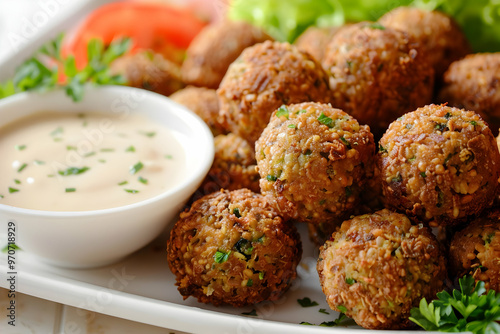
{"x":285,"y":20}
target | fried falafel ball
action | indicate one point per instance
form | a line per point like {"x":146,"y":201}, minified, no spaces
{"x":475,"y":250}
{"x":215,"y":48}
{"x":233,"y":248}
{"x":234,"y":167}
{"x":473,"y":83}
{"x":262,"y":79}
{"x":314,"y":159}
{"x":150,"y":71}
{"x":441,"y":37}
{"x":378,"y":266}
{"x":439,"y":164}
{"x":377,"y":74}
{"x":204,"y":102}
{"x":314,"y":40}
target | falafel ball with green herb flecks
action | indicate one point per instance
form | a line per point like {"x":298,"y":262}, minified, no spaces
{"x":439,"y":164}
{"x":475,"y":250}
{"x":314,"y":159}
{"x":233,"y":248}
{"x":377,"y":74}
{"x":377,"y":266}
{"x":264,"y":77}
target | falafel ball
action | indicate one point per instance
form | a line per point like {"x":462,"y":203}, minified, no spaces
{"x":475,"y":250}
{"x":439,"y":164}
{"x":203,"y":102}
{"x":441,"y":37}
{"x":314,"y":159}
{"x":314,"y":40}
{"x":377,"y":74}
{"x":262,"y":79}
{"x":150,"y":71}
{"x":378,"y":266}
{"x":234,"y":167}
{"x":473,"y":83}
{"x":206,"y":68}
{"x":233,"y":248}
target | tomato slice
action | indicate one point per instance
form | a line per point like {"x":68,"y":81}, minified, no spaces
{"x":160,"y":27}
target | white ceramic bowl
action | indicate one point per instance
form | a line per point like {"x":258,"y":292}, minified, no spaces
{"x":94,"y":238}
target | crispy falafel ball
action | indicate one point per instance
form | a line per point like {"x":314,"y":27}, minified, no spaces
{"x":233,"y":248}
{"x":439,"y":164}
{"x":314,"y":159}
{"x":473,"y":83}
{"x":315,"y":39}
{"x":441,"y":37}
{"x":204,"y":102}
{"x":475,"y":250}
{"x":378,"y":266}
{"x":150,"y":71}
{"x":263,"y":78}
{"x":377,"y":74}
{"x":234,"y":167}
{"x":215,"y":48}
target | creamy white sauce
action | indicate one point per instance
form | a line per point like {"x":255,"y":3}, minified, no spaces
{"x":80,"y":162}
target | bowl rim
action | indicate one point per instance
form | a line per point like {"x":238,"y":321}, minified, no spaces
{"x":199,"y":170}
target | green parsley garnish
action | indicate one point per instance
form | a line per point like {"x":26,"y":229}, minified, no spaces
{"x":69,"y":148}
{"x":467,"y":310}
{"x":342,"y":308}
{"x":261,"y":275}
{"x":307,"y":302}
{"x":130,"y":149}
{"x":447,"y":115}
{"x":488,"y":239}
{"x":57,"y":131}
{"x":350,"y":281}
{"x":89,"y":154}
{"x":13,"y":190}
{"x":326,"y":120}
{"x":168,"y":156}
{"x":422,"y":174}
{"x":73,"y":171}
{"x":322,"y":310}
{"x":346,"y":143}
{"x":376,"y":25}
{"x":323,"y":201}
{"x":136,"y":168}
{"x":20,"y":147}
{"x":381,"y":149}
{"x":107,"y":150}
{"x":252,"y":313}
{"x":148,"y":134}
{"x":250,"y":282}
{"x":143,"y":180}
{"x":132,"y":191}
{"x":292,"y":126}
{"x":236,"y":212}
{"x":282,"y":111}
{"x":123,"y":183}
{"x":397,"y":178}
{"x":271,"y":178}
{"x":244,"y":247}
{"x":473,"y":123}
{"x":221,"y":257}
{"x":23,"y":166}
{"x":41,"y":72}
{"x":16,"y":181}
{"x":39,"y":162}
{"x":70,"y":190}
{"x":306,"y":323}
{"x":102,"y":161}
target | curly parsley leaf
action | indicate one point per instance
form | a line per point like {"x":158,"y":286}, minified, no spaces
{"x":307,"y":302}
{"x":469,"y":309}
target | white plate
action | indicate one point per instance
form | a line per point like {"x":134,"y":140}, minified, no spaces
{"x":142,"y":288}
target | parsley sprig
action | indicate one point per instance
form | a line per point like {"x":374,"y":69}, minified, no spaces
{"x":41,"y":71}
{"x":469,"y":309}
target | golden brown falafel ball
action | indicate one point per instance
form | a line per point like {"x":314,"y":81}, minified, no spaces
{"x":314,"y":41}
{"x":149,"y":70}
{"x":263,"y":78}
{"x":473,"y":83}
{"x":234,"y":167}
{"x":204,"y":102}
{"x":314,"y":160}
{"x":378,"y":266}
{"x":215,"y":48}
{"x":377,"y":74}
{"x":439,"y":34}
{"x":476,"y":250}
{"x":233,"y":248}
{"x":440,"y":164}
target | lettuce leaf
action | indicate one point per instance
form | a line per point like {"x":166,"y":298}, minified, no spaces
{"x":286,"y":20}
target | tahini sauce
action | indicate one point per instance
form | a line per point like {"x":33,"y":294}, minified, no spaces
{"x":80,"y":162}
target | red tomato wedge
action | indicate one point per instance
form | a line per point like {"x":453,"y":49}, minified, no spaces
{"x":159,"y":27}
